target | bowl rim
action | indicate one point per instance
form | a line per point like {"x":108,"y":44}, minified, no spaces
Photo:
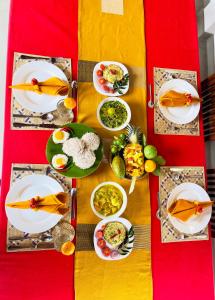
{"x":127,"y":107}
{"x":124,"y":200}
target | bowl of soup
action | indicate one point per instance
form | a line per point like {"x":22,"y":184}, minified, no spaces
{"x":108,"y":200}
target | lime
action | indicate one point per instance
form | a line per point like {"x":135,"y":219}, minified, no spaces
{"x":150,"y":152}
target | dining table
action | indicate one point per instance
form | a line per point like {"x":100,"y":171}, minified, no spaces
{"x":50,"y":28}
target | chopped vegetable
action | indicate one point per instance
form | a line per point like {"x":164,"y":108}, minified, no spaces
{"x":101,"y":243}
{"x":106,"y":251}
{"x":99,"y":234}
{"x":117,"y":117}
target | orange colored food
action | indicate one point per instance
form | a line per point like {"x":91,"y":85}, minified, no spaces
{"x":68,"y":248}
{"x":69,"y":103}
{"x":150,"y":166}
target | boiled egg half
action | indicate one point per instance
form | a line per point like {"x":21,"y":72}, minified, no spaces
{"x":59,"y":161}
{"x":60,"y":135}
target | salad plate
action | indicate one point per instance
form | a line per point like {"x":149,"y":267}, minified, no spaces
{"x":196,"y":223}
{"x":27,"y":220}
{"x":179,"y":115}
{"x":111,"y":78}
{"x":113,"y":239}
{"x":42,"y":71}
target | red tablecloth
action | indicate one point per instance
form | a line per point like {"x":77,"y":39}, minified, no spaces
{"x":180,"y":270}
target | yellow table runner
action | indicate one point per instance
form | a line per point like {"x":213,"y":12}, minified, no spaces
{"x":104,"y":36}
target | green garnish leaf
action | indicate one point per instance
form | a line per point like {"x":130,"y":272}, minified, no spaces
{"x":157,"y":172}
{"x":160,"y":160}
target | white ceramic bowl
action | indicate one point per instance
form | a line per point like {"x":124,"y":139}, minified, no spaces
{"x":98,"y":87}
{"x":126,"y":107}
{"x":124,"y":203}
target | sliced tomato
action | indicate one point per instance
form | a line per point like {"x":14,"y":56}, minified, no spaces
{"x":102,"y":67}
{"x":99,"y":73}
{"x":106,"y":88}
{"x":102,"y":81}
{"x":106,"y":251}
{"x":99,"y":234}
{"x":101,"y":243}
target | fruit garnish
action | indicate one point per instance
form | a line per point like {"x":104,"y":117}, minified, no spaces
{"x":69,"y":103}
{"x":34,"y":81}
{"x":150,"y":152}
{"x":150,"y":166}
{"x":68,"y":248}
{"x":102,"y":67}
{"x":99,"y":73}
{"x":118,"y":166}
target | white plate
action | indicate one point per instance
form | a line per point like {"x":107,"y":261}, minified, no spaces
{"x":127,"y":225}
{"x":124,"y":204}
{"x":96,"y":83}
{"x":41,"y":71}
{"x":190,"y":191}
{"x":179,"y":115}
{"x":26,"y":188}
{"x":126,"y":107}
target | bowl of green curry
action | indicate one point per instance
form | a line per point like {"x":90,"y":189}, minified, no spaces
{"x":108,"y":200}
{"x":113,"y":113}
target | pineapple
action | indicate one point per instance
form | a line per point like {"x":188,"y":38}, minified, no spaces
{"x":133,"y":154}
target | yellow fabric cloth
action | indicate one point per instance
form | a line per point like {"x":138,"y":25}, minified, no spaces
{"x":52,"y":86}
{"x":102,"y":37}
{"x":54,"y":204}
{"x":184,"y":209}
{"x":174,"y":99}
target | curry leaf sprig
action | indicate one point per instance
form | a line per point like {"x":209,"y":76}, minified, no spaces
{"x":120,"y":85}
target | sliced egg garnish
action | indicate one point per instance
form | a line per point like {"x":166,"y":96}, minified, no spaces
{"x":60,"y":136}
{"x":59,"y":161}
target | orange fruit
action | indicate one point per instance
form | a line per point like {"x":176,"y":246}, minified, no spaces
{"x":68,"y":248}
{"x":150,"y":166}
{"x":69,"y":103}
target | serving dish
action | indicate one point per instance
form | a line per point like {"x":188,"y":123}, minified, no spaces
{"x":103,"y":86}
{"x":120,"y":209}
{"x":71,"y":169}
{"x":119,"y":251}
{"x":113,"y":113}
